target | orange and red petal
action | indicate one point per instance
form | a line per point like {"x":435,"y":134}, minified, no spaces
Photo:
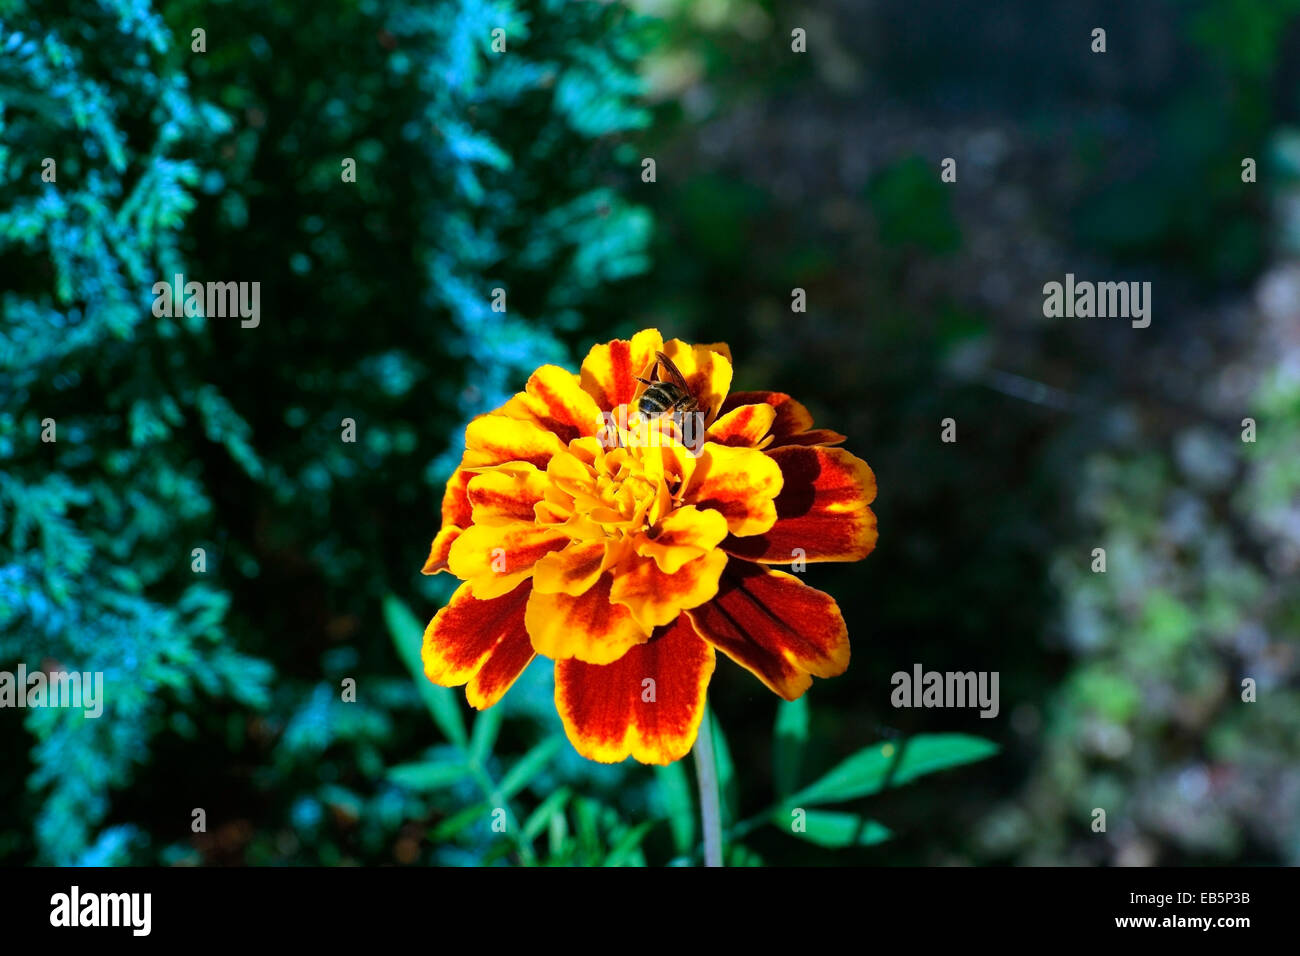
{"x":456,"y":507}
{"x":457,"y":514}
{"x":823,"y":510}
{"x":586,"y":626}
{"x":739,"y":482}
{"x":791,"y":416}
{"x":497,"y":557}
{"x":496,"y":439}
{"x":745,"y":426}
{"x":648,"y":704}
{"x":777,"y":627}
{"x":610,"y":371}
{"x":567,"y":472}
{"x":793,"y":424}
{"x":683,"y":535}
{"x":507,"y":493}
{"x":815,"y":436}
{"x":722,"y":348}
{"x":482,"y":643}
{"x":655,"y":598}
{"x":573,"y":570}
{"x":553,"y":398}
{"x":440,"y":550}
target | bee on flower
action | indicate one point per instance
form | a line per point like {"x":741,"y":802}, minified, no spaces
{"x":624,"y":522}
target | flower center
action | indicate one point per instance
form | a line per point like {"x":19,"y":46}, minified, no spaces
{"x":616,"y":486}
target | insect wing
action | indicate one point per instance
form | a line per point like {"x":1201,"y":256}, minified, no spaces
{"x":674,"y":373}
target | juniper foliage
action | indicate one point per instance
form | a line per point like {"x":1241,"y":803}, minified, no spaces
{"x":475,"y":171}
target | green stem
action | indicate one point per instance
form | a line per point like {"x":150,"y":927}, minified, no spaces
{"x":488,"y":787}
{"x":706,"y":774}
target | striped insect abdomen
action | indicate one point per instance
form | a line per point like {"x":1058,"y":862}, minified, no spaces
{"x":662,"y":396}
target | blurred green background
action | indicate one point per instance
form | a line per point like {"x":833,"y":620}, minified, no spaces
{"x":775,"y":170}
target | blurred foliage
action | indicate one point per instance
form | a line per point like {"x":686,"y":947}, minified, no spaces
{"x":1120,"y":690}
{"x":474,"y":172}
{"x":912,"y":208}
{"x":93,"y":564}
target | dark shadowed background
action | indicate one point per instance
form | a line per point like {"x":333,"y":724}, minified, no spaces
{"x":774,"y":170}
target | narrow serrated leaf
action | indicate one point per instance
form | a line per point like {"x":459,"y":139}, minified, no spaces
{"x":530,"y":765}
{"x":557,"y":838}
{"x":831,"y":829}
{"x":540,"y":818}
{"x":458,"y":822}
{"x":675,"y":792}
{"x":427,"y":776}
{"x":789,"y":738}
{"x":627,"y":844}
{"x":585,"y":813}
{"x":726,"y":771}
{"x":872,"y":768}
{"x":484,"y":735}
{"x":408,"y":637}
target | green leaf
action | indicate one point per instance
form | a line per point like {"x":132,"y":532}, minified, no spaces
{"x":540,"y":818}
{"x":497,"y":851}
{"x":912,"y":208}
{"x":726,"y":771}
{"x":675,"y":792}
{"x":408,"y":638}
{"x":530,"y":765}
{"x":427,"y":776}
{"x":457,"y":822}
{"x":585,"y":814}
{"x":627,"y":844}
{"x":869,"y":770}
{"x":557,"y":838}
{"x":740,"y":855}
{"x":790,"y":736}
{"x":830,"y":829}
{"x":486,"y":726}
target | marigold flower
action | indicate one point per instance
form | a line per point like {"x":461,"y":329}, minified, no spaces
{"x":628,"y":552}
